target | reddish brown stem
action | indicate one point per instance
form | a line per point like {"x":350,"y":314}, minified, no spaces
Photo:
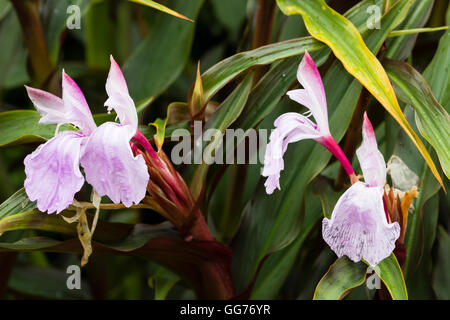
{"x":262,"y":29}
{"x":199,"y":228}
{"x":28,"y":14}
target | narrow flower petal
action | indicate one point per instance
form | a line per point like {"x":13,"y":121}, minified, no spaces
{"x":313,"y":95}
{"x":370,"y":158}
{"x":358,"y":227}
{"x":300,"y":96}
{"x":289,"y":127}
{"x":118,"y":97}
{"x":78,"y":112}
{"x":53,"y":173}
{"x":110,"y":166}
{"x":50,"y":107}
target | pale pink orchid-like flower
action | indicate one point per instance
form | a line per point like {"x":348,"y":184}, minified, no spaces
{"x":53,"y":175}
{"x":292,"y":127}
{"x":359,"y":227}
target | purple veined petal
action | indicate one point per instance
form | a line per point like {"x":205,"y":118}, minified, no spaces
{"x":370,"y":158}
{"x":358,"y":227}
{"x":50,"y":107}
{"x":313,"y":95}
{"x":289,"y":127}
{"x":118,"y":96}
{"x":78,"y":112}
{"x":110,"y":166}
{"x":53,"y":173}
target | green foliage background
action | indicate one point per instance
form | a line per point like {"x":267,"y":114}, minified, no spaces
{"x":276,"y":240}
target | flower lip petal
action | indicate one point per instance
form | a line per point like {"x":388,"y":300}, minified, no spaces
{"x":53,"y":173}
{"x":370,"y":158}
{"x":77,"y":109}
{"x":289,"y":127}
{"x":118,"y":96}
{"x":50,"y":107}
{"x":110,"y":166}
{"x":358,"y":227}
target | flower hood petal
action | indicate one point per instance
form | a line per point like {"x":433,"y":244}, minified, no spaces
{"x":110,"y":166}
{"x":50,"y":107}
{"x":313,"y":95}
{"x":77,"y":109}
{"x":53,"y":173}
{"x":358,"y":227}
{"x":118,"y":97}
{"x":370,"y":158}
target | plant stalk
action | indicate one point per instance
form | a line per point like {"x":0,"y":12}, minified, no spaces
{"x":28,"y":14}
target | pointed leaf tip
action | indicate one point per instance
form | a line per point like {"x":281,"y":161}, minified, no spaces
{"x":162,"y":8}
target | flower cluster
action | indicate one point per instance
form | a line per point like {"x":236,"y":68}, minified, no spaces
{"x":53,"y":175}
{"x":359,"y":226}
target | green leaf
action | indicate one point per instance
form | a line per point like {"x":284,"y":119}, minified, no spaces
{"x":162,"y":281}
{"x":431,"y":118}
{"x":100,"y":35}
{"x":5,"y":8}
{"x":21,"y":126}
{"x":400,"y":48}
{"x":14,"y":54}
{"x":196,"y":100}
{"x":177,"y":112}
{"x":441,"y":277}
{"x":345,"y":275}
{"x":437,"y":73}
{"x":390,"y":272}
{"x":46,"y":283}
{"x":398,"y":33}
{"x":160,"y":57}
{"x":277,"y":266}
{"x":418,"y":283}
{"x":323,"y":189}
{"x":272,"y":222}
{"x":428,"y":187}
{"x":160,"y":125}
{"x":35,"y":220}
{"x":16,"y":203}
{"x":224,"y":71}
{"x":438,"y":79}
{"x":348,"y":46}
{"x":230,"y":13}
{"x":55,"y":16}
{"x":342,"y":276}
{"x":194,"y":262}
{"x":221,"y":73}
{"x":160,"y":7}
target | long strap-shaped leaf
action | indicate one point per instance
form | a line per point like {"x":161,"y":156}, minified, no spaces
{"x":432,"y":119}
{"x":328,"y":26}
{"x":160,"y":7}
{"x":344,"y":275}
